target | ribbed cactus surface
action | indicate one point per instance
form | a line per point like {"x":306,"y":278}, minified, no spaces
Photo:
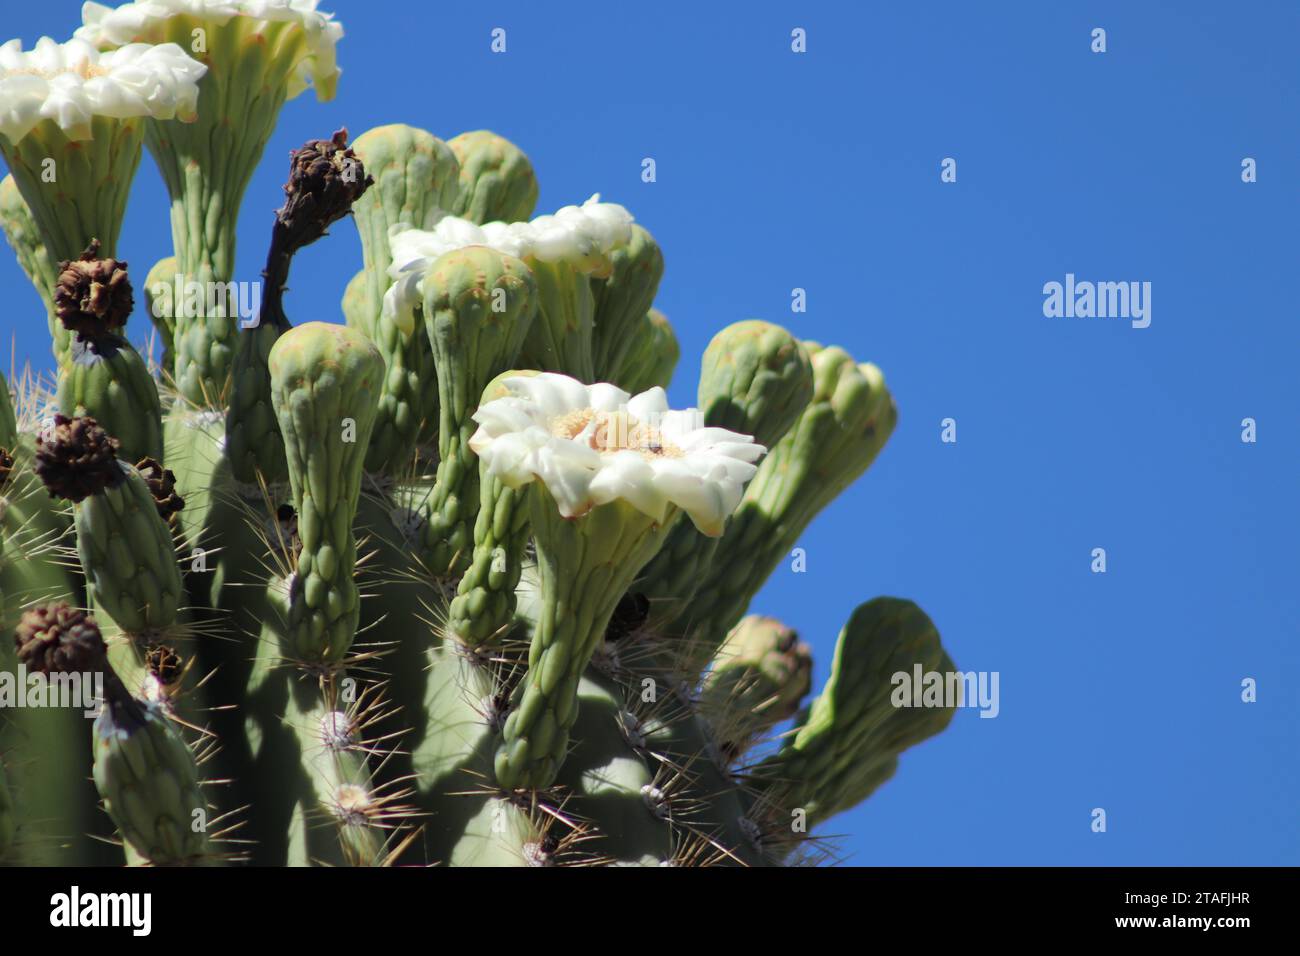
{"x":440,"y":579}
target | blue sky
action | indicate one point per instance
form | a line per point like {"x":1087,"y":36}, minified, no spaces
{"x":822,"y":171}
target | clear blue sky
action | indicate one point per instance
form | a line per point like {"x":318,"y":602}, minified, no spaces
{"x":821,"y":171}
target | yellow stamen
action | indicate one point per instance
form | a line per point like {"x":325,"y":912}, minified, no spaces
{"x":615,"y":431}
{"x":85,"y":69}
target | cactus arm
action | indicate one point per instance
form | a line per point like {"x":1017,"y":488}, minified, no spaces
{"x":478,"y":308}
{"x":316,"y":797}
{"x":560,"y":339}
{"x":756,"y":379}
{"x":149,"y":782}
{"x":126,"y":552}
{"x":497,"y":182}
{"x":25,"y":238}
{"x":622,"y":299}
{"x":484,"y":604}
{"x":651,"y":356}
{"x":124,"y":545}
{"x":206,"y":175}
{"x":452,"y":761}
{"x":416,"y":176}
{"x":834,"y":441}
{"x":194,"y":443}
{"x":461,"y":713}
{"x":33,"y":529}
{"x":325,"y":387}
{"x":720,"y":834}
{"x":54,"y":800}
{"x":33,"y":534}
{"x":652,"y":785}
{"x":585,"y":566}
{"x":273,"y":784}
{"x":849,"y":741}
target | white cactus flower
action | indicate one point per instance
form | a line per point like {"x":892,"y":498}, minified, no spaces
{"x":145,"y":20}
{"x":580,"y":235}
{"x":71,"y":83}
{"x":592,"y":444}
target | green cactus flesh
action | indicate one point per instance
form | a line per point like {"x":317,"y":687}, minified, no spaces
{"x":478,"y":308}
{"x":388,"y":651}
{"x":416,"y":177}
{"x":127,"y":555}
{"x":325,"y":383}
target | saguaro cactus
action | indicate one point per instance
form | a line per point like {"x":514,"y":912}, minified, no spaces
{"x":440,"y":579}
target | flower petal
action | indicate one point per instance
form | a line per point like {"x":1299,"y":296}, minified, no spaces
{"x":71,"y":83}
{"x":700,"y":470}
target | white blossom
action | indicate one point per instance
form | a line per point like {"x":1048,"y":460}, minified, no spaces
{"x":580,"y":235}
{"x":71,"y":83}
{"x":593,"y":444}
{"x":144,"y":20}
